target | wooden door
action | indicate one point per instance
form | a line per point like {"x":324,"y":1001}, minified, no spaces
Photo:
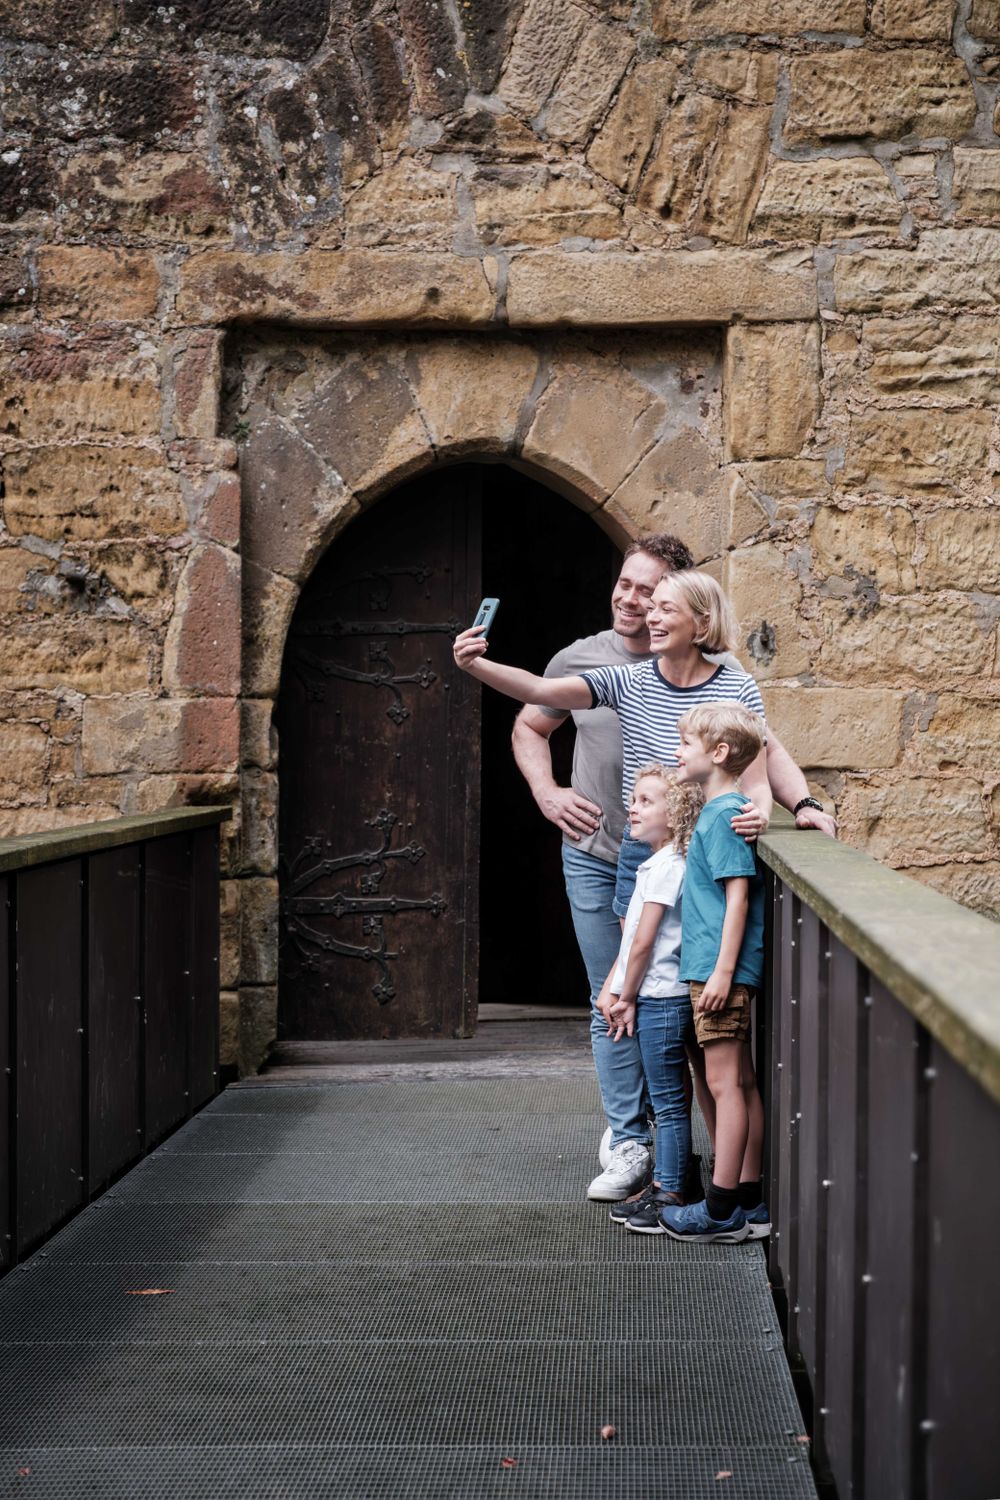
{"x":379,"y":773}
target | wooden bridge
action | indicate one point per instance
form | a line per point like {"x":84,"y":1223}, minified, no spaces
{"x":380,"y":1278}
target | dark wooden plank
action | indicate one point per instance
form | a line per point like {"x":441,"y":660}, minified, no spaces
{"x":50,"y":1052}
{"x":786,"y":1227}
{"x":25,"y":850}
{"x":166,"y":982}
{"x":114,"y":1016}
{"x":204,"y":1018}
{"x":962,"y":1319}
{"x":806,"y":1324}
{"x":892,"y":1140}
{"x":771,"y":1052}
{"x":7,"y":1162}
{"x":836,"y":1415}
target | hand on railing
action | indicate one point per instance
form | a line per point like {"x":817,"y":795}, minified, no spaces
{"x":812,"y":817}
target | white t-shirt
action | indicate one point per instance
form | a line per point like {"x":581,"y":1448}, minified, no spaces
{"x":659,"y":878}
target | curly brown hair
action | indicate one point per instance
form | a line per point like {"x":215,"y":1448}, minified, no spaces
{"x":671,"y":551}
{"x":684,"y":799}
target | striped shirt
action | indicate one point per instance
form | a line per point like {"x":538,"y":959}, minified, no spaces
{"x":648,"y":708}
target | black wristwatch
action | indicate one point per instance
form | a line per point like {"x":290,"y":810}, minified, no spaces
{"x":806,"y":802}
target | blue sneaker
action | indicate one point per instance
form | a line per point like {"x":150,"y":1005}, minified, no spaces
{"x":693,"y":1223}
{"x":759,"y":1220}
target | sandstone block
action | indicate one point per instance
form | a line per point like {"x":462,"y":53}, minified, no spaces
{"x":58,"y":21}
{"x":141,"y":575}
{"x":621,"y":146}
{"x":865,"y":546}
{"x":780,"y":479}
{"x":856,"y":93}
{"x":771,"y":384}
{"x":749,"y":514}
{"x":16,"y":569}
{"x":160,"y":734}
{"x":734,"y":175}
{"x":82,"y":654}
{"x":471,"y":394}
{"x":687,"y":20}
{"x":24,"y":756}
{"x":673,"y":174}
{"x":591,"y":427}
{"x":202,"y":649}
{"x":547,"y":36}
{"x":135,"y":99}
{"x":922,"y":821}
{"x":57,"y":388}
{"x":374,"y":47}
{"x":258,"y":1025}
{"x":268,"y":603}
{"x":923,"y":640}
{"x":161,"y":193}
{"x":229,"y":1028}
{"x":258,"y":738}
{"x":319,"y":288}
{"x":197,"y":375}
{"x":913,"y":20}
{"x":366,"y":425}
{"x":160,"y":793}
{"x":405,"y":204}
{"x":949,"y":268}
{"x":845,"y":729}
{"x":435,"y":60}
{"x":984,"y":20}
{"x":92,"y":285}
{"x":229,"y":934}
{"x":669,"y":287}
{"x":961,"y":732}
{"x":748,"y":76}
{"x":539,"y":206}
{"x":826,"y":199}
{"x":259,"y":961}
{"x":292,"y":504}
{"x":914,"y":450}
{"x":260,"y":822}
{"x":976,"y":183}
{"x":16,"y":292}
{"x":976,"y":886}
{"x":962,"y":550}
{"x":260,"y":28}
{"x":677,"y":487}
{"x":587,"y":84}
{"x":219,"y":519}
{"x":86,"y":492}
{"x":954,"y":359}
{"x":766,"y":595}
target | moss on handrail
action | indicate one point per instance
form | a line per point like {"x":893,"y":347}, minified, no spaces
{"x":940,"y":960}
{"x":29,"y":849}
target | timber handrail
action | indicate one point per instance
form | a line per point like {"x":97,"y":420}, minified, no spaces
{"x":24,"y":850}
{"x":939,"y":959}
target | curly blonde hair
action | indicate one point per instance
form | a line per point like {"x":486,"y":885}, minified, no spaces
{"x":684,"y":799}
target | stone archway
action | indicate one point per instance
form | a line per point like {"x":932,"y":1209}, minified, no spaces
{"x":630,"y":428}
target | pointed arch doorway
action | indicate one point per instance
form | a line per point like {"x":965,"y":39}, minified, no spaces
{"x":417,"y":878}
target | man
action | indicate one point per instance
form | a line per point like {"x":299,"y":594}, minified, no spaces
{"x":591,"y":817}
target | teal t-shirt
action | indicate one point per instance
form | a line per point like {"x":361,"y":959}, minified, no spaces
{"x":716,"y":854}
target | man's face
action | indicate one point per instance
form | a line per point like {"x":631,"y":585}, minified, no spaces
{"x":631,"y":594}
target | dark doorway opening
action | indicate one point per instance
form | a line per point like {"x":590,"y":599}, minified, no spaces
{"x":552,"y":569}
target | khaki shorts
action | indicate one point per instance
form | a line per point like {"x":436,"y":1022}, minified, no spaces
{"x":730,"y":1024}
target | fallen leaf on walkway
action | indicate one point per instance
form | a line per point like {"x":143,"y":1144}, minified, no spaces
{"x":508,"y":1463}
{"x":25,"y":1470}
{"x":802,"y":1438}
{"x":609,"y":1432}
{"x":150,"y":1291}
{"x":724,"y":1474}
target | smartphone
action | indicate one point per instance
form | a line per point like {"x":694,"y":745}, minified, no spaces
{"x":486,"y":614}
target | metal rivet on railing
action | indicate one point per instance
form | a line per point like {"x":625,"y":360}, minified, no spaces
{"x":827,"y":1182}
{"x":791,"y":943}
{"x":798,"y":921}
{"x":927,"y":1425}
{"x":914,"y":1157}
{"x":930,"y":1072}
{"x":798,"y":1114}
{"x":780,"y":1066}
{"x":828,"y":954}
{"x":795,"y":1308}
{"x":866,"y":1278}
{"x":869,"y":1000}
{"x":824,"y":1411}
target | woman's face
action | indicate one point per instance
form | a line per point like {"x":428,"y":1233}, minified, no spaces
{"x":670,"y":621}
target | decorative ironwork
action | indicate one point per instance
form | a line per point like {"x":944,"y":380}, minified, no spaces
{"x":383,"y":676}
{"x":373,"y":908}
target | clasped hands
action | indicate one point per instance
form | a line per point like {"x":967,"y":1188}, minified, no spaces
{"x":619,"y":1014}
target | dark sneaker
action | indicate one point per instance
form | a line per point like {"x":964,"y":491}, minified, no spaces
{"x":759,"y":1220}
{"x":693,"y":1191}
{"x":620,"y":1213}
{"x":646,"y":1217}
{"x":695,"y":1223}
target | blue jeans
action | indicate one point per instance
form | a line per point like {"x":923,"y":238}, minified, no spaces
{"x":662,"y":1028}
{"x":590,"y":886}
{"x":630,"y":856}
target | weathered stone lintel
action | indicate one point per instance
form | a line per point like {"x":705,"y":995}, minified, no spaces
{"x":373,"y":289}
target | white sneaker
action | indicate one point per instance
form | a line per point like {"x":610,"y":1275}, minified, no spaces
{"x":627,"y":1170}
{"x":604,"y":1149}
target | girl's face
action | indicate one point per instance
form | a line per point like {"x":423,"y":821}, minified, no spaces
{"x":650,"y":817}
{"x":672,"y":625}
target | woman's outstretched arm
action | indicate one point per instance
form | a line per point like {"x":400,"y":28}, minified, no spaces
{"x":552,"y":692}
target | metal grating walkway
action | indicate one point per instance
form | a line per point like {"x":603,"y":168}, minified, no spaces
{"x":388,"y":1291}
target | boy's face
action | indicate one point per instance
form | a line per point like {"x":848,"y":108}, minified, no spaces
{"x":649,"y":813}
{"x":695,"y":760}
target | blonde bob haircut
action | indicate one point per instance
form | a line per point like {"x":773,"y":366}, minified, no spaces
{"x":684,"y":799}
{"x":710,"y":607}
{"x":726,"y":724}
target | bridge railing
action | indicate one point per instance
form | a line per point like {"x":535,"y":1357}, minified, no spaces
{"x":879,"y":1053}
{"x":109,"y":999}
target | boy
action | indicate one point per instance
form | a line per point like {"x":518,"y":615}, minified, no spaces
{"x":722,"y":955}
{"x":644,"y":990}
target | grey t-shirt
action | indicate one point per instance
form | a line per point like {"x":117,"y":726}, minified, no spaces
{"x":598,"y":753}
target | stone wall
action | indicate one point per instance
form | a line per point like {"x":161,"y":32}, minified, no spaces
{"x":193,"y":195}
